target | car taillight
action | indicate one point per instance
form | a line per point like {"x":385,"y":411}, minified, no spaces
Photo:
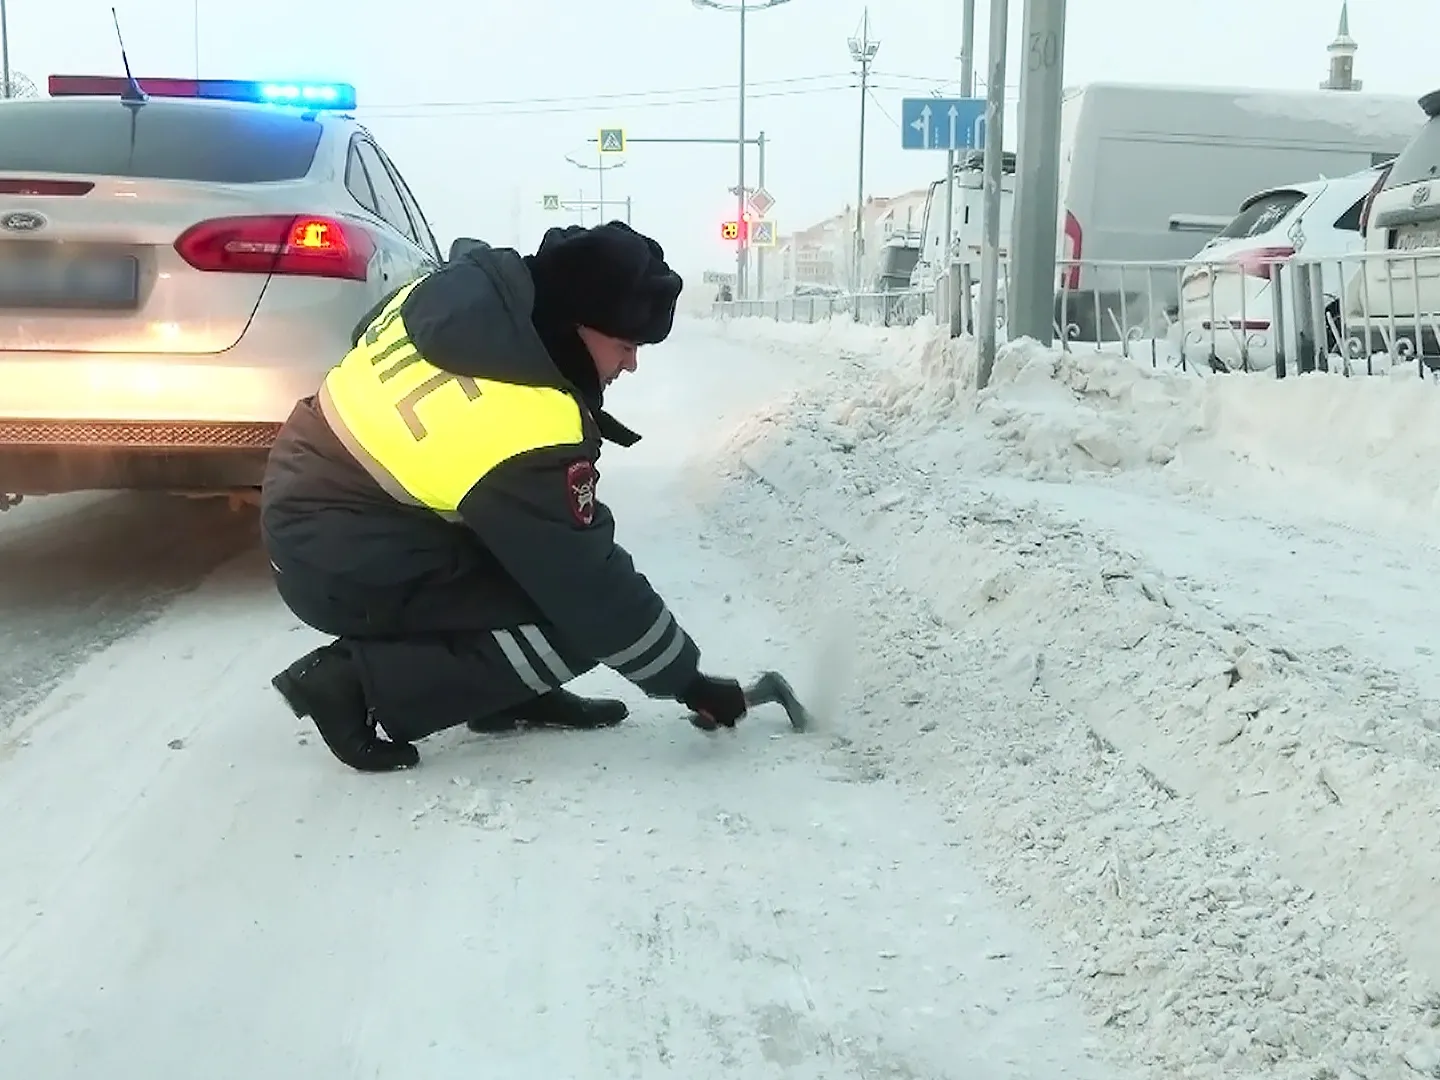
{"x":1074,"y":240}
{"x":300,"y":244}
{"x":1262,"y":262}
{"x":1370,"y":198}
{"x":12,"y":186}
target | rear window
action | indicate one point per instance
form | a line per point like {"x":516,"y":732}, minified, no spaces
{"x":1262,"y":215}
{"x":167,"y":140}
{"x":1350,"y":220}
{"x":1420,"y":160}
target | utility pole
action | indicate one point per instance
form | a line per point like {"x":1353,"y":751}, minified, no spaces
{"x":862,"y":51}
{"x":1030,"y":303}
{"x":195,"y":24}
{"x":994,"y":182}
{"x":5,"y":91}
{"x":967,"y":88}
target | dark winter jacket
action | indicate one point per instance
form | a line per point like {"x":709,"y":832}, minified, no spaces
{"x":527,"y":541}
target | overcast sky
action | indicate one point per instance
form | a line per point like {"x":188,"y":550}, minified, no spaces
{"x":480,"y":101}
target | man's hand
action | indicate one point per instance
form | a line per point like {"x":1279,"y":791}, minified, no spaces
{"x":716,"y":702}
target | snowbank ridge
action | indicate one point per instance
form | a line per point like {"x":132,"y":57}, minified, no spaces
{"x":1234,"y":837}
{"x":1359,"y":449}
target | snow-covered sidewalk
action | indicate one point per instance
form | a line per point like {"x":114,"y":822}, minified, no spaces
{"x":1217,"y":778}
{"x":192,"y":886}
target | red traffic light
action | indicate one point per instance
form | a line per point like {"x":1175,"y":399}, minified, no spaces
{"x":734,"y":230}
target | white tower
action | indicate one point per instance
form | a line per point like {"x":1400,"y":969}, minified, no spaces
{"x":1342,"y":56}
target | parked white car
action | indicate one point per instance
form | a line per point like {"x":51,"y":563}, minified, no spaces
{"x":1227,"y":302}
{"x":1399,"y":285}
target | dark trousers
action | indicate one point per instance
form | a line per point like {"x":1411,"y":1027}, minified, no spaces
{"x":428,"y":657}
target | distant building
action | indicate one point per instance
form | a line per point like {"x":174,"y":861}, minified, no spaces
{"x":1342,"y":56}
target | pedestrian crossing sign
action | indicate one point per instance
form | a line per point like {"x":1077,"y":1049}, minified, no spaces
{"x":762,"y":233}
{"x":612,"y":140}
{"x":551,"y":202}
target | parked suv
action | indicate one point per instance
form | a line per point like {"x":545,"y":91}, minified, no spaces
{"x":1394,"y":300}
{"x":1226,"y":298}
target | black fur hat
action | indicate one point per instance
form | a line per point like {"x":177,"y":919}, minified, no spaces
{"x":609,"y":278}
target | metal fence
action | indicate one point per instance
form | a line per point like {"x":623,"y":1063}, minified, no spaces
{"x":873,"y":309}
{"x":1355,"y":314}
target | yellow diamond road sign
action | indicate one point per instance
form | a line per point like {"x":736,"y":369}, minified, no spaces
{"x":612,"y":140}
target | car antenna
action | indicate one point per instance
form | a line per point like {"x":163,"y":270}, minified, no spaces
{"x":133,"y":94}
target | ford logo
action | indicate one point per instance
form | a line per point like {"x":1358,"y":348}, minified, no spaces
{"x":23,"y":221}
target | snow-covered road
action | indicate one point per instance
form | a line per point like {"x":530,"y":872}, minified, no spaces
{"x":80,"y":572}
{"x":193,"y":887}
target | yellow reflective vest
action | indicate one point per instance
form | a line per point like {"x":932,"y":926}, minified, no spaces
{"x":426,"y":435}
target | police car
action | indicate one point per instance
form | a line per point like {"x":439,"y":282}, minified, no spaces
{"x":180,"y":262}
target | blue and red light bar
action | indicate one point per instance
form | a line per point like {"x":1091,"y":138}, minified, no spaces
{"x":307,"y":95}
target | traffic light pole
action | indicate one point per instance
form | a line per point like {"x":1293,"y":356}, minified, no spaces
{"x":742,"y":243}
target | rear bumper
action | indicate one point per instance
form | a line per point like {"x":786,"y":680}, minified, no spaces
{"x":44,"y":457}
{"x":71,"y":422}
{"x":224,"y":388}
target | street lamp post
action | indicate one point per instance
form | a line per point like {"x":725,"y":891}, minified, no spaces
{"x":862,"y":51}
{"x":743,"y":8}
{"x":600,"y":169}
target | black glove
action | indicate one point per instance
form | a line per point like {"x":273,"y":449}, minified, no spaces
{"x":715,"y":702}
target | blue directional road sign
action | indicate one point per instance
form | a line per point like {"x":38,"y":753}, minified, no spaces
{"x":942,"y":124}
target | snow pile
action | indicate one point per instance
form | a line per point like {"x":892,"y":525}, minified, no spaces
{"x":1213,"y":835}
{"x":1233,"y":836}
{"x":1355,"y":449}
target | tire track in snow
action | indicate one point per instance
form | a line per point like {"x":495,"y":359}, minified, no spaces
{"x":78,"y":573}
{"x":645,"y":902}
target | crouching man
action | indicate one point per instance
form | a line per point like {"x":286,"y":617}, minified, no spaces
{"x":435,"y":506}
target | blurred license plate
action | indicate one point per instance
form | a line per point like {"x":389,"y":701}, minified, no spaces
{"x":1417,"y":238}
{"x":110,"y":282}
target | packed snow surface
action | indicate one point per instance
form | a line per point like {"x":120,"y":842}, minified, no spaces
{"x":194,"y":888}
{"x":1126,"y":766}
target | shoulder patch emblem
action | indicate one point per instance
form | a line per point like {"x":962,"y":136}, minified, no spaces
{"x":580,"y":481}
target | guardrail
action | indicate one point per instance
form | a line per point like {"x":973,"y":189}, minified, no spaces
{"x":1355,"y":314}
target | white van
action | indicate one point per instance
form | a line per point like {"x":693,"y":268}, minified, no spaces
{"x":968,"y":218}
{"x":1150,"y":173}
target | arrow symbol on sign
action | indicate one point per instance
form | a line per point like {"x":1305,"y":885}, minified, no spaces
{"x":923,"y":125}
{"x":954,"y":116}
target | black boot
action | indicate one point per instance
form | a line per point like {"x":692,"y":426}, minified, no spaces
{"x":324,"y":686}
{"x":558,"y":708}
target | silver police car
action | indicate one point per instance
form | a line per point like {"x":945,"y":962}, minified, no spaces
{"x":180,"y":262}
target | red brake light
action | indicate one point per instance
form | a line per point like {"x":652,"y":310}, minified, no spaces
{"x":45,"y":187}
{"x":306,"y":245}
{"x":1074,"y":241}
{"x":1261,"y":262}
{"x":1370,"y":198}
